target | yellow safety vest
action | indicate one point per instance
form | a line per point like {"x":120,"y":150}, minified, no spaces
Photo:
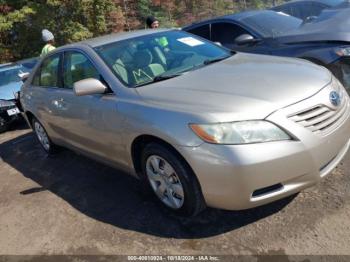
{"x":47,"y":49}
{"x":162,"y":41}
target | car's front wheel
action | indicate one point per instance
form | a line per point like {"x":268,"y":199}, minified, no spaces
{"x":172,"y":180}
{"x":43,"y":137}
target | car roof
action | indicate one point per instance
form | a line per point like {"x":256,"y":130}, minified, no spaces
{"x":107,"y":39}
{"x":17,"y":64}
{"x":236,"y":16}
{"x":330,"y":3}
{"x":9,"y":66}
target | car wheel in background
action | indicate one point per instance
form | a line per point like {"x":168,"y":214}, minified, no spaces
{"x":3,"y":124}
{"x":172,"y":180}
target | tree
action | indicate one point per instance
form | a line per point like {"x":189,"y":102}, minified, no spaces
{"x":21,"y":21}
{"x":69,"y":20}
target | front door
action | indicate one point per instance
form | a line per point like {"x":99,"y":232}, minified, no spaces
{"x":90,"y":123}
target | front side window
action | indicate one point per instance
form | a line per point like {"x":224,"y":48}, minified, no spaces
{"x":77,"y":67}
{"x":47,"y":75}
{"x":202,"y":31}
{"x":226,"y":33}
{"x":142,"y":60}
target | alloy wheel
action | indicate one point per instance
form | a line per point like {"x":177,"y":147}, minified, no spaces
{"x":42,"y":135}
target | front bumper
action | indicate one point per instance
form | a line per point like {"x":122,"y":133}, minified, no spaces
{"x":8,"y":119}
{"x":238,"y":177}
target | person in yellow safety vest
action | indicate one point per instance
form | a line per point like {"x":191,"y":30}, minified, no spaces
{"x":153,"y":23}
{"x":49,"y":39}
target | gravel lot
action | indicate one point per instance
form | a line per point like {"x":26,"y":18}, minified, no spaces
{"x":68,"y":204}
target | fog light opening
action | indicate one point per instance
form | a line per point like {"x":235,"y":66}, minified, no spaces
{"x":267,"y":190}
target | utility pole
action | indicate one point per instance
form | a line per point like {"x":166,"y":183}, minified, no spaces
{"x":126,"y":14}
{"x":245,"y":4}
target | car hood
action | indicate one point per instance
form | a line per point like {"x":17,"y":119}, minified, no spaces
{"x":7,"y":91}
{"x":243,"y":86}
{"x":331,"y":25}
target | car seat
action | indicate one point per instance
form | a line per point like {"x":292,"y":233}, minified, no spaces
{"x":144,"y":70}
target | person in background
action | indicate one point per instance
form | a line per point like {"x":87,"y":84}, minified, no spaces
{"x":152,"y":22}
{"x":49,"y":39}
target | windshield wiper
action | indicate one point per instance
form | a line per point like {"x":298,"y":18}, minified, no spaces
{"x":159,"y":78}
{"x":164,"y":77}
{"x":215,"y":60}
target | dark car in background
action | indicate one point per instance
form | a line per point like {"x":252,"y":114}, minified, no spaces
{"x":308,"y":9}
{"x":10,"y":84}
{"x":324,"y":41}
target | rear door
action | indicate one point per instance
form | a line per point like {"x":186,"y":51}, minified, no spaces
{"x":43,"y":91}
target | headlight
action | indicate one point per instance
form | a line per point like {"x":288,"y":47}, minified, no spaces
{"x":342,"y":51}
{"x":5,"y":103}
{"x":244,"y":132}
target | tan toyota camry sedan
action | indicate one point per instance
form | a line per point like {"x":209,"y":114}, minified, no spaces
{"x":198,"y":124}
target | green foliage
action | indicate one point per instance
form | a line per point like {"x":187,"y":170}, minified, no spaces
{"x":144,"y":8}
{"x":21,"y":21}
{"x":69,"y":20}
{"x":17,"y":16}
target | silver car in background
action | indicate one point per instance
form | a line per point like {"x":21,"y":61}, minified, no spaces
{"x":198,"y":124}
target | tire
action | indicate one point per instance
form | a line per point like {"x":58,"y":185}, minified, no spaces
{"x":171,"y":179}
{"x":43,"y":138}
{"x":3,"y":125}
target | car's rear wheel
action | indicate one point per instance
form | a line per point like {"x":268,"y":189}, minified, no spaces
{"x":3,"y":125}
{"x":172,"y":180}
{"x":43,"y":137}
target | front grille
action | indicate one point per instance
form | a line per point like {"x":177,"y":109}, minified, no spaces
{"x":322,"y":119}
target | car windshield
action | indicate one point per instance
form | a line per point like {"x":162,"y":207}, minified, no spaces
{"x":159,"y":56}
{"x":10,"y":74}
{"x":272,"y":24}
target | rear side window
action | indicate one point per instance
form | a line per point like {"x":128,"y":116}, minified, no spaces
{"x":226,"y":33}
{"x":47,"y":75}
{"x":77,"y":67}
{"x":202,"y":31}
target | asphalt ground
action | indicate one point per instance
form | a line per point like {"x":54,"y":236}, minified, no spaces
{"x":68,"y":204}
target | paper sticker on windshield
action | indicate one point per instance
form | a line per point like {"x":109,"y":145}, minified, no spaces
{"x":190,"y":41}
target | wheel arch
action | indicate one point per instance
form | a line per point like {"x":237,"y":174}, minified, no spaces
{"x":139,"y":144}
{"x":314,"y":60}
{"x":29,"y":116}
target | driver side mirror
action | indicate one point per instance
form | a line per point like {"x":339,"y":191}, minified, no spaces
{"x":245,"y":39}
{"x":89,"y":86}
{"x":309,"y":19}
{"x":24,"y":76}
